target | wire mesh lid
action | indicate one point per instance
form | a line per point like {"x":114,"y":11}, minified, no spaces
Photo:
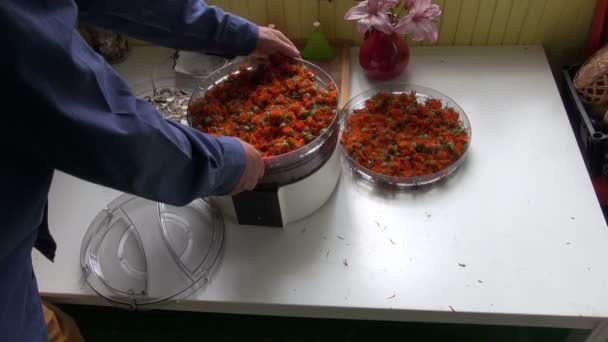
{"x":139,"y":253}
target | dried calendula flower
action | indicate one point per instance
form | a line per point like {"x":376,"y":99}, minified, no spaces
{"x":396,"y":135}
{"x":266,"y":107}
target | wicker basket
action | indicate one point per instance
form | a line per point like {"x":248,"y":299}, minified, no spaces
{"x":591,"y":82}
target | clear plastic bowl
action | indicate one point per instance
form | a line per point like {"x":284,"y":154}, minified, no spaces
{"x":422,"y":93}
{"x":187,"y":64}
{"x":297,"y":164}
{"x":196,"y":64}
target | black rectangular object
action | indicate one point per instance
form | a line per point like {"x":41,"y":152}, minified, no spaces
{"x":260,"y":207}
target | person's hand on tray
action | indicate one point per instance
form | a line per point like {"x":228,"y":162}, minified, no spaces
{"x":273,"y":42}
{"x":254,"y":169}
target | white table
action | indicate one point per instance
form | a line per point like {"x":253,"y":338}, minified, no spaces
{"x":521,"y":214}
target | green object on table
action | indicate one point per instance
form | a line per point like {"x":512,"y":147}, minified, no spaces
{"x":317,"y":47}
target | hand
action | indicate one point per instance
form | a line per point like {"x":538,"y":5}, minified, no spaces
{"x":254,"y":169}
{"x":271,"y":42}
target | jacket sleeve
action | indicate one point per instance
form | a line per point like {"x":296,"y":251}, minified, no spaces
{"x":181,"y":24}
{"x":77,"y":115}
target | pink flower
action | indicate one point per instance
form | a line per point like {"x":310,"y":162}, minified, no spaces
{"x":420,"y":22}
{"x":372,"y":13}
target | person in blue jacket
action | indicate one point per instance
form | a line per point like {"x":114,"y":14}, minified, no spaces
{"x":66,"y":109}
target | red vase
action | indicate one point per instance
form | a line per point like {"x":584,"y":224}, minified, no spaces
{"x":383,"y":56}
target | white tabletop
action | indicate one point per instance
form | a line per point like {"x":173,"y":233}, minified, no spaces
{"x":515,"y":237}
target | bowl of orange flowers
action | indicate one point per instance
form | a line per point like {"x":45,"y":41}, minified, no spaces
{"x":286,"y":108}
{"x":404,"y":135}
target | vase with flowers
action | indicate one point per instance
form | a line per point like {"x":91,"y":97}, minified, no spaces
{"x":384,"y":53}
